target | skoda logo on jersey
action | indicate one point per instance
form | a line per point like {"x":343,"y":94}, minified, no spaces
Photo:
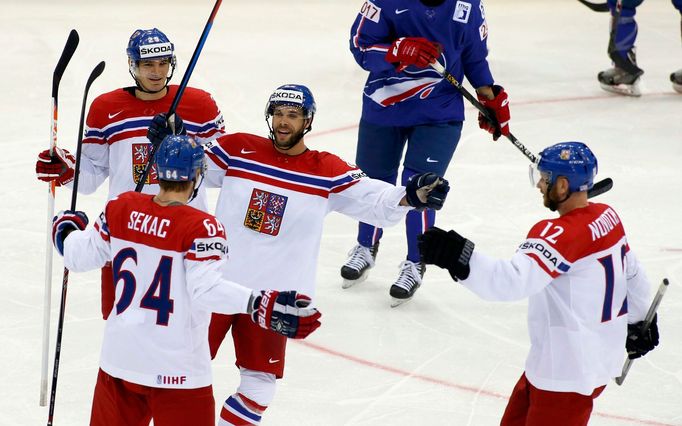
{"x":156,"y":50}
{"x":291,"y":96}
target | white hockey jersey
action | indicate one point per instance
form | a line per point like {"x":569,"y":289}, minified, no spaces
{"x":273,"y":207}
{"x":115,"y":144}
{"x":585,"y":286}
{"x":166,"y":263}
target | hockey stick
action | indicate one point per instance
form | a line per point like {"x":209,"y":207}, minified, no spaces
{"x":597,"y":7}
{"x":178,"y":95}
{"x":647,"y":323}
{"x":598,"y":188}
{"x":96,"y":72}
{"x":67,"y":53}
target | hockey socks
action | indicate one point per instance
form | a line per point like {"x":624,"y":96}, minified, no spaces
{"x":239,"y":410}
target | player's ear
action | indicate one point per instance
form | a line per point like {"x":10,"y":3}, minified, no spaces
{"x":562,"y":185}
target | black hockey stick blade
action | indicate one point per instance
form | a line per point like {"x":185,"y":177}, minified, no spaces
{"x":96,"y":72}
{"x":67,"y":53}
{"x":600,"y":187}
{"x":597,"y":7}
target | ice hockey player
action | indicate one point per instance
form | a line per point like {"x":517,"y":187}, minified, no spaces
{"x":115,"y":144}
{"x":275,"y":194}
{"x":623,"y":78}
{"x":588,"y":294}
{"x":167,"y":259}
{"x":405,"y":102}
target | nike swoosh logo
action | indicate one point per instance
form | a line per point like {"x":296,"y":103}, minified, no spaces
{"x":398,"y":12}
{"x":429,"y":160}
{"x":114,"y":115}
{"x":247,"y":152}
{"x":273,"y":361}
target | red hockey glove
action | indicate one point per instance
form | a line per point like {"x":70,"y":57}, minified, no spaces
{"x":416,"y":51}
{"x":64,"y":223}
{"x":59,"y":167}
{"x":499,"y":109}
{"x":284,"y":312}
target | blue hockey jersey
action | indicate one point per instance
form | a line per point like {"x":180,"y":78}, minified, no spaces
{"x":419,"y":96}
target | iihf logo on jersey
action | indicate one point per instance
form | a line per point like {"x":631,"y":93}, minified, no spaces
{"x":140,"y":154}
{"x":462,"y":12}
{"x":265,"y":212}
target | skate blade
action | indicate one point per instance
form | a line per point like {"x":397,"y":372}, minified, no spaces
{"x":397,"y":302}
{"x":623,"y":89}
{"x":350,"y":283}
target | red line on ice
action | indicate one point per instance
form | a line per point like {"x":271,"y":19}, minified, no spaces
{"x":449,"y":384}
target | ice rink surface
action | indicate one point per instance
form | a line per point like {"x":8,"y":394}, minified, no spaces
{"x":445,"y":358}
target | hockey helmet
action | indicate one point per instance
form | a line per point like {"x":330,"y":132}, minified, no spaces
{"x":150,"y":44}
{"x":572,"y":160}
{"x":294,"y":95}
{"x":178,"y":158}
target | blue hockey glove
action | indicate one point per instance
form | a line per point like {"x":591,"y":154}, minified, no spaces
{"x":426,"y":191}
{"x":284,"y":312}
{"x":639,"y":341}
{"x":447,"y":250}
{"x":160,"y":128}
{"x":64,"y":223}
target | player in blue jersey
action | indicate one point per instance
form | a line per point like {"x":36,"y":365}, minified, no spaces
{"x":406,"y":101}
{"x":623,"y":77}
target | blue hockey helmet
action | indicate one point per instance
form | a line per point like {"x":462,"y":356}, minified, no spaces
{"x":178,"y":158}
{"x":149,"y":44}
{"x":294,"y":95}
{"x":573,"y":160}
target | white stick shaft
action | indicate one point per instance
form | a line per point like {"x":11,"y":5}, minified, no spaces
{"x":47,"y":296}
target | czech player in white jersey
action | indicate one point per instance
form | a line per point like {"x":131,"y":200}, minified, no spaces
{"x":587,"y":292}
{"x":275,"y":194}
{"x":115,"y":144}
{"x":166,"y":257}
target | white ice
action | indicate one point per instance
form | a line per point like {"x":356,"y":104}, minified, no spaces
{"x":445,"y":358}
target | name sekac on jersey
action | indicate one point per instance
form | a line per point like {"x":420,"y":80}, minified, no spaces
{"x":115,"y":144}
{"x":584,"y":286}
{"x":166,"y":263}
{"x":273,"y":207}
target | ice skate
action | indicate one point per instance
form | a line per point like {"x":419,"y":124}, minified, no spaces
{"x":616,"y":80}
{"x":360,"y":261}
{"x":676,"y":79}
{"x":408,"y":282}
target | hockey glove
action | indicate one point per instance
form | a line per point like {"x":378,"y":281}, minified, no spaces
{"x":59,"y":167}
{"x":416,"y":51}
{"x":284,"y":312}
{"x":426,"y":190}
{"x":160,"y":128}
{"x":640,"y":342}
{"x":447,"y":250}
{"x":64,"y":223}
{"x":498,"y":107}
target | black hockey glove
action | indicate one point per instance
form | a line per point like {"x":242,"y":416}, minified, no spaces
{"x":426,"y":191}
{"x":160,"y":128}
{"x":639,"y":341}
{"x":447,"y":250}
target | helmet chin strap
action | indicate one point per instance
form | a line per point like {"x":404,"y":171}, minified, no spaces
{"x":554,"y":205}
{"x":195,"y":192}
{"x":142,"y":89}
